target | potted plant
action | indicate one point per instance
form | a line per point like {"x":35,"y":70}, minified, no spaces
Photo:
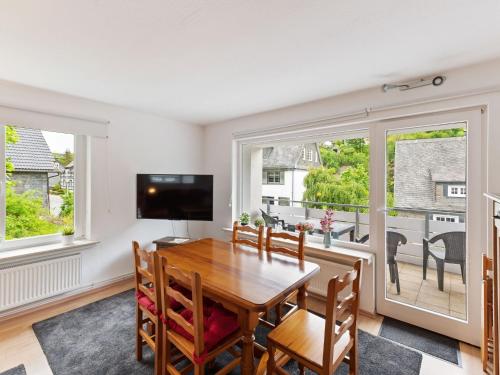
{"x":326,"y":227}
{"x":68,"y":235}
{"x":258,"y":222}
{"x":244,"y":218}
{"x":305,"y":227}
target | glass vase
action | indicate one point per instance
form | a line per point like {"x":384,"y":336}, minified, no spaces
{"x":327,"y":240}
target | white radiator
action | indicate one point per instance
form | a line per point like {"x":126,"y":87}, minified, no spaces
{"x":27,"y":283}
{"x":328,"y":270}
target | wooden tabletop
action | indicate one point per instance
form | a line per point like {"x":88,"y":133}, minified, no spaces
{"x":243,"y":275}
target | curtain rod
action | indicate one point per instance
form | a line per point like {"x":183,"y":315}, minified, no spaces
{"x":55,"y":114}
{"x":363,"y":113}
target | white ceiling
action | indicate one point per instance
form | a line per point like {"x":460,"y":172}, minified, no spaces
{"x":204,"y":61}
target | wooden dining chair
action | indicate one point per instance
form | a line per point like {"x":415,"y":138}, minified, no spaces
{"x":237,"y":229}
{"x":320,"y":344}
{"x":148,"y":304}
{"x":201,"y":331}
{"x":298,"y":253}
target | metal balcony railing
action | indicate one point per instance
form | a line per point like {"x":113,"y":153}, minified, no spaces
{"x":358,"y":209}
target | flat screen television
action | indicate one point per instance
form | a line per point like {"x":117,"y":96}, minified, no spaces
{"x":175,"y":197}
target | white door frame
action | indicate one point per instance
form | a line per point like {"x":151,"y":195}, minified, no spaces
{"x":470,"y":330}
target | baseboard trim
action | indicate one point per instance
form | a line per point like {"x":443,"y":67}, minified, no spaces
{"x":63,"y":298}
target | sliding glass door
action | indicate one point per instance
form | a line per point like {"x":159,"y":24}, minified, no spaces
{"x":428,"y":233}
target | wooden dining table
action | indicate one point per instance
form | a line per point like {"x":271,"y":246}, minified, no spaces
{"x":244,"y":280}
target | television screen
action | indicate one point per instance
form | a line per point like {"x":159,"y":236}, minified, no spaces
{"x":175,"y":197}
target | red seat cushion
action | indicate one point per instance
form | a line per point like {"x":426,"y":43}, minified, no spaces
{"x":146,"y":302}
{"x":218,"y":324}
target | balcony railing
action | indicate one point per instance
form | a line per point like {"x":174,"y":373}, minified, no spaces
{"x":414,"y":223}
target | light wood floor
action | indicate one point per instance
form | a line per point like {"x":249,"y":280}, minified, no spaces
{"x":18,"y":343}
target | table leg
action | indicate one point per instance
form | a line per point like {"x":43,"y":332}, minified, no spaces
{"x":351,"y":235}
{"x":249,"y":322}
{"x":302,"y":297}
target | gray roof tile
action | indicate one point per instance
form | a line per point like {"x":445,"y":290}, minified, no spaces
{"x":31,"y":152}
{"x":420,"y":163}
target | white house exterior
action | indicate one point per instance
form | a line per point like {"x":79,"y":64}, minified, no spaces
{"x":284,"y":168}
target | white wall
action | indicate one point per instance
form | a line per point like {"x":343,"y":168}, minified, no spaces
{"x":470,"y":86}
{"x":294,"y":182}
{"x":138,"y":143}
{"x":462,"y":83}
{"x":279,"y":190}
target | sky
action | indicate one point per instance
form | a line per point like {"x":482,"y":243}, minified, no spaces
{"x":59,"y":142}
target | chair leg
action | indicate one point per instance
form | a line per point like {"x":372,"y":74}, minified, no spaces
{"x":199,"y":369}
{"x":424,"y":266}
{"x":440,"y":274}
{"x":462,"y":268}
{"x":353,"y":360}
{"x":158,"y":349}
{"x":396,"y":276}
{"x":138,"y":337}
{"x":391,"y":272}
{"x":271,"y":364}
{"x":277,"y":311}
{"x":165,"y":352}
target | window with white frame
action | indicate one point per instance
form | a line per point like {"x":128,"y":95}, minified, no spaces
{"x":39,"y":183}
{"x":457,"y":191}
{"x":446,"y":218}
{"x":340,"y":182}
{"x":309,"y":155}
{"x":274,"y":177}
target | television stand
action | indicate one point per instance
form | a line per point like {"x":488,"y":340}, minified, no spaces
{"x":166,"y":242}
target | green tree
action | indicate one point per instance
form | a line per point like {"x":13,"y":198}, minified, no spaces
{"x":64,"y":159}
{"x":67,"y":206}
{"x":343,"y":178}
{"x":11,"y":137}
{"x":25,"y":214}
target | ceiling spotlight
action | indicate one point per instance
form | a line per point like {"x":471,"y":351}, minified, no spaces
{"x":434,"y":81}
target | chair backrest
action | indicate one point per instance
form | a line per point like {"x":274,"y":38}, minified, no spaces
{"x":394,"y":239}
{"x":268,"y":219}
{"x":345,"y":310}
{"x":191,"y":281}
{"x":454,"y":244}
{"x":247,"y":229}
{"x":146,"y":273}
{"x":298,"y":252}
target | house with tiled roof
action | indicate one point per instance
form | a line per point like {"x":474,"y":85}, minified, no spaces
{"x":33,"y":163}
{"x":284,"y":168}
{"x":430,"y":174}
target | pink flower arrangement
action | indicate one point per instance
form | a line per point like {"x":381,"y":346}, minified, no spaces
{"x":304,"y":226}
{"x":327,"y":221}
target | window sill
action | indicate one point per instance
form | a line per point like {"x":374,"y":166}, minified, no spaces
{"x":44,"y":251}
{"x":334,"y":253}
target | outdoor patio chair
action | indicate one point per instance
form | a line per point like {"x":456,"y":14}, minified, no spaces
{"x":454,"y":253}
{"x":394,"y":240}
{"x":271,"y":221}
{"x":363,"y":239}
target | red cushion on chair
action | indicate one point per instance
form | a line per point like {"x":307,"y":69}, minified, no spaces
{"x":174,"y":304}
{"x":218,"y":324}
{"x":144,"y":301}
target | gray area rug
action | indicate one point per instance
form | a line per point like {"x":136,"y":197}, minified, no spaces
{"x":18,"y":370}
{"x":99,"y":339}
{"x":421,"y":339}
